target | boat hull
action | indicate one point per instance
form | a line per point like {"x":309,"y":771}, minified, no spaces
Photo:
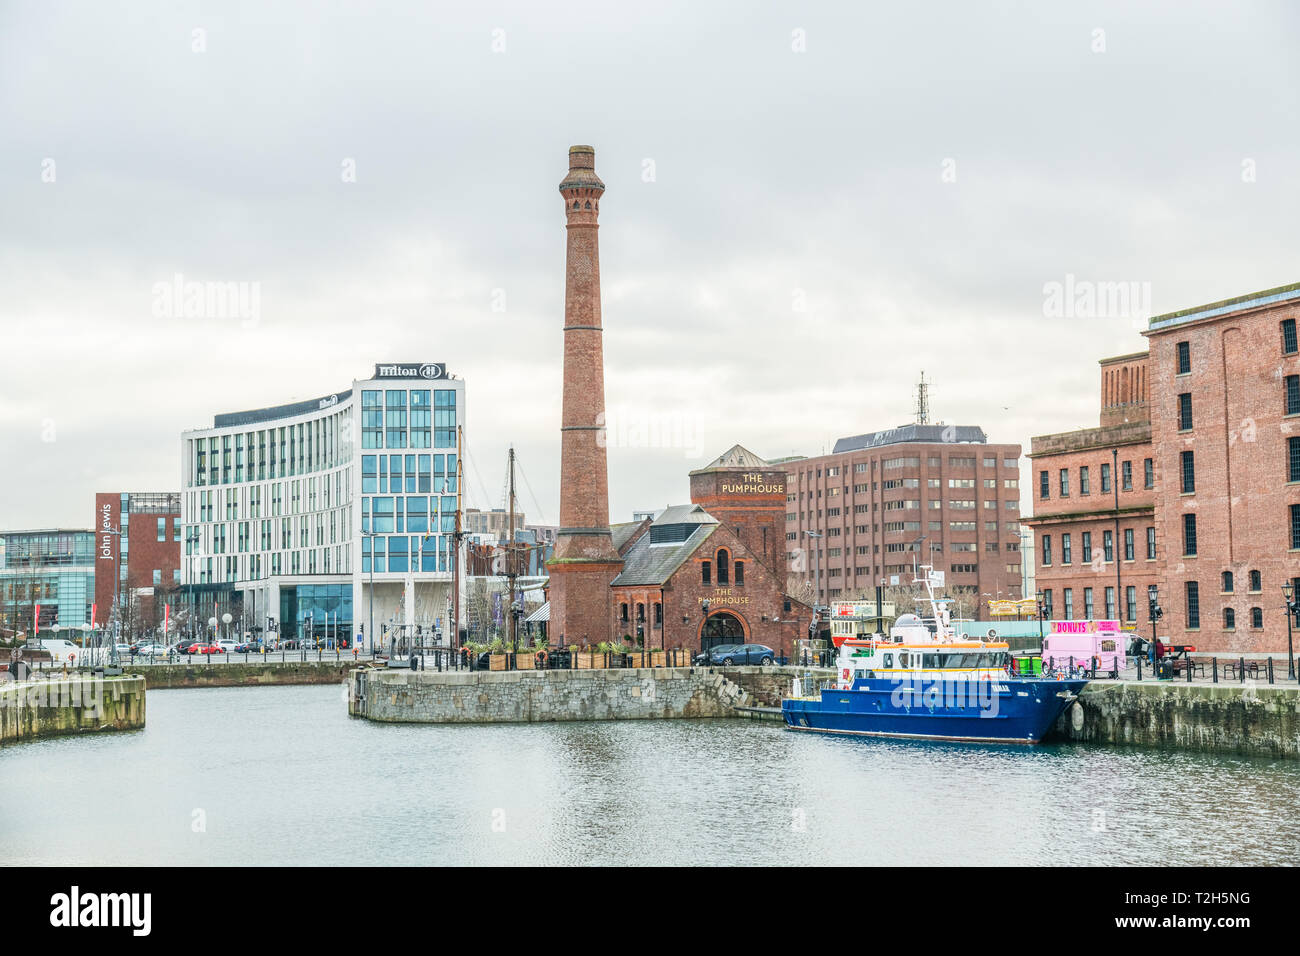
{"x":1007,"y":711}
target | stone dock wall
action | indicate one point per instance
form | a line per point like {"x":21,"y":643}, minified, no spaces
{"x":1261,"y":720}
{"x":74,"y":705}
{"x":166,"y":676}
{"x":526,"y":696}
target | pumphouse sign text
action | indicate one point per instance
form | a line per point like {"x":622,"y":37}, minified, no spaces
{"x":755,"y":483}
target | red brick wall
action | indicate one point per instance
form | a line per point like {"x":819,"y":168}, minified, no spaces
{"x":143,"y":554}
{"x":815,"y":494}
{"x":1125,"y":389}
{"x":1093,"y":513}
{"x":751,"y":502}
{"x":1242,"y":495}
{"x":758,"y":603}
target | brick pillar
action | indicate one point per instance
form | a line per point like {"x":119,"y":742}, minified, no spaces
{"x":585,"y":560}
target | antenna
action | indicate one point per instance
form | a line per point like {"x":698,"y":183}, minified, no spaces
{"x":923,"y":402}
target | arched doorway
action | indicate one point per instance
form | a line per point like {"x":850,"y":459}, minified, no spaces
{"x":721,"y":627}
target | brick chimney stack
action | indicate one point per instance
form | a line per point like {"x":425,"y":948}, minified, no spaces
{"x":585,"y":559}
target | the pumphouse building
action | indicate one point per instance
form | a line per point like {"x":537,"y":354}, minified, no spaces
{"x":712,"y":571}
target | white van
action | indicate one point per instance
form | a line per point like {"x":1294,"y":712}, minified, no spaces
{"x":59,"y":650}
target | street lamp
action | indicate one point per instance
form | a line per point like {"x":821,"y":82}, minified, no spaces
{"x":226,"y":619}
{"x":1292,"y":607}
{"x":1155,"y":612}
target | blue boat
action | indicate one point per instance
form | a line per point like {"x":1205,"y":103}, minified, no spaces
{"x":925,"y":681}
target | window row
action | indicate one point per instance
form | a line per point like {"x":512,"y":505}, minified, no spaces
{"x":1085,"y":479}
{"x":1107,"y":547}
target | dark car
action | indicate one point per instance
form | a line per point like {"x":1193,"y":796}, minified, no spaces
{"x":249,"y":647}
{"x":715,"y":654}
{"x":186,"y":645}
{"x":746,"y":654}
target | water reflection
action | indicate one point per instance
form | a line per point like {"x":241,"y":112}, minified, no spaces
{"x":281,"y":775}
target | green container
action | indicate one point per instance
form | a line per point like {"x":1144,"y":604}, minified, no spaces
{"x":1029,"y":666}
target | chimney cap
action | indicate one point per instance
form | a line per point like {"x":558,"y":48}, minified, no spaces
{"x":582,"y":170}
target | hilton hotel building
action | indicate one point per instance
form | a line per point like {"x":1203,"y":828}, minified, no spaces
{"x":292,"y":515}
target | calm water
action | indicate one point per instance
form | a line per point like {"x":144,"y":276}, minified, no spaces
{"x":323,"y":788}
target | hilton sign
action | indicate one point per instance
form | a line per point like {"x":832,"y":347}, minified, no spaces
{"x":427,"y":370}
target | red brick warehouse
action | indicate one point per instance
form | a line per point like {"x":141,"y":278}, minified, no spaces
{"x":1225,"y":426}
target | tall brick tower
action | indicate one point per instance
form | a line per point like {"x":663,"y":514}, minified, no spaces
{"x":585,"y":559}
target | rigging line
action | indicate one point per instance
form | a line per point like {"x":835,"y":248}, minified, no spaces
{"x":477,"y":476}
{"x":541,"y":515}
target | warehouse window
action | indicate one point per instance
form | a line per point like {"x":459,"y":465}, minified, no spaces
{"x":1193,"y":605}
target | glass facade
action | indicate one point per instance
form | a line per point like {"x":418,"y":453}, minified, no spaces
{"x":306,"y":490}
{"x":316,"y":610}
{"x":408,"y":503}
{"x":50,"y":569}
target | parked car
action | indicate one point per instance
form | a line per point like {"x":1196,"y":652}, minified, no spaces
{"x":249,"y":647}
{"x":714,"y":655}
{"x":186,"y":645}
{"x":748,"y":654}
{"x":202,"y":648}
{"x":149,"y":649}
{"x":227,"y":646}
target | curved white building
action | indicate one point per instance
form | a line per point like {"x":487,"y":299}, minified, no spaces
{"x":304,"y":510}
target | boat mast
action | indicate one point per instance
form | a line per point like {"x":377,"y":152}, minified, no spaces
{"x":512,"y":571}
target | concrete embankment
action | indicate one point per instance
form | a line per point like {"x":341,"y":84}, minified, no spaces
{"x":74,"y":705}
{"x":513,"y":696}
{"x":165,"y":676}
{"x":768,"y":686}
{"x":1260,"y":720}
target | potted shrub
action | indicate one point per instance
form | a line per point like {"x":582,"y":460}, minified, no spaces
{"x":498,"y":659}
{"x":591,"y":659}
{"x":659,"y":658}
{"x":526,"y":660}
{"x":619,"y":654}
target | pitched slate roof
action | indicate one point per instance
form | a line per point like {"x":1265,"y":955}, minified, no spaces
{"x":621,"y":532}
{"x":737,"y":456}
{"x":653,"y":563}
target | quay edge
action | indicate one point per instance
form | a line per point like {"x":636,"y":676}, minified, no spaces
{"x":34,"y":709}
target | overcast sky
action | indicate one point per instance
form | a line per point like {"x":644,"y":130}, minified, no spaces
{"x":807,"y":204}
